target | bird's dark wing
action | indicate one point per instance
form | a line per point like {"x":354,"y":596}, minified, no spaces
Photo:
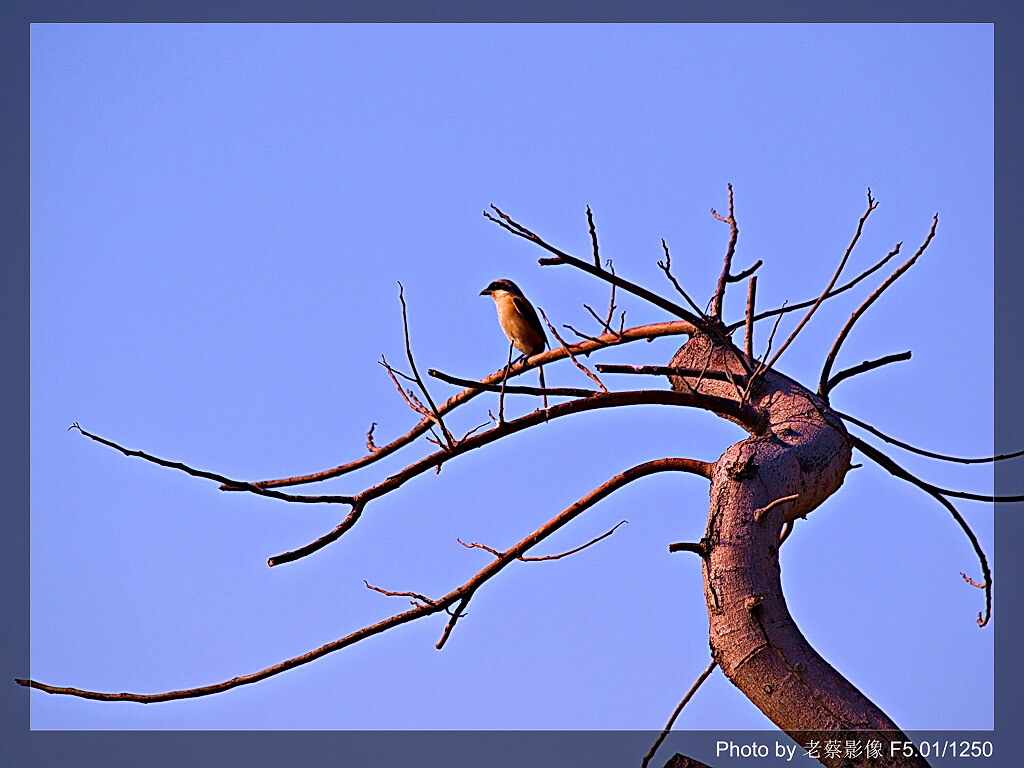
{"x":526,"y":309}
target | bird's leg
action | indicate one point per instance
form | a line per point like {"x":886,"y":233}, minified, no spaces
{"x":545,"y":395}
{"x":501,"y":396}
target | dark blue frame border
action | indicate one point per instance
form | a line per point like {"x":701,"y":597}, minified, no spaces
{"x":21,"y":747}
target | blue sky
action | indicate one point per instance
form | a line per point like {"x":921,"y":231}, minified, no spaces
{"x":220,"y":216}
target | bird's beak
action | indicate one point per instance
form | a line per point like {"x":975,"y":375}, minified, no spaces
{"x":485,"y":292}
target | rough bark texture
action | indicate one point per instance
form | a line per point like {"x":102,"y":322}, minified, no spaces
{"x":801,"y":449}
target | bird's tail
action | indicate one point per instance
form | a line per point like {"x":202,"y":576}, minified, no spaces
{"x":544,"y":396}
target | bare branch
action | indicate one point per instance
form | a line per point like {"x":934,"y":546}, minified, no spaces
{"x":317,"y":544}
{"x":760,"y":363}
{"x":940,"y":495}
{"x":511,"y":389}
{"x":666,"y":267}
{"x":579,"y":333}
{"x":459,"y":595}
{"x":872,"y":204}
{"x":563,"y":258}
{"x":745,"y":273}
{"x":698,"y":548}
{"x":593,"y":239}
{"x":748,"y":334}
{"x":921,"y":451}
{"x":867,"y":365}
{"x":611,"y":301}
{"x":225,"y":481}
{"x":827,"y":368}
{"x":568,"y":351}
{"x":455,"y":615}
{"x":605,"y":327}
{"x":478,"y":545}
{"x":646,"y":332}
{"x":407,"y":394}
{"x":671,"y":721}
{"x":412,"y":364}
{"x":716,"y":302}
{"x":668,"y":370}
{"x":414,"y":595}
{"x":606,"y":323}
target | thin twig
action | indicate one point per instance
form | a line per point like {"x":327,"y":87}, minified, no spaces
{"x":407,"y":394}
{"x":611,"y":301}
{"x":593,"y":238}
{"x":666,"y":267}
{"x":872,"y":204}
{"x":572,"y":551}
{"x":745,"y":273}
{"x":671,"y":721}
{"x":412,"y":364}
{"x":760,"y":363}
{"x":525,"y":559}
{"x":568,"y":351}
{"x":716,"y":303}
{"x":867,"y":365}
{"x":455,"y":615}
{"x":369,"y":439}
{"x":414,"y":595}
{"x":921,"y":451}
{"x":603,"y":323}
{"x":827,"y":368}
{"x":226,"y":481}
{"x":478,"y":545}
{"x":579,"y":333}
{"x":606,"y":323}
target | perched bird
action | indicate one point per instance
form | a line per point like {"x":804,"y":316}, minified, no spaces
{"x":518,"y":319}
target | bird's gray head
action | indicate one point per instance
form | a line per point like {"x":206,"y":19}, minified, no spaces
{"x":502,"y":285}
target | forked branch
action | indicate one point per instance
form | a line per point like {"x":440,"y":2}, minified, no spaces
{"x":940,"y":495}
{"x":459,"y":595}
{"x":872,"y":204}
{"x":830,"y":359}
{"x":922,"y":451}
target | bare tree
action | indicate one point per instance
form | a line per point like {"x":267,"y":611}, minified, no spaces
{"x":797,"y":453}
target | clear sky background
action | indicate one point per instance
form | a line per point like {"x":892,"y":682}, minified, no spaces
{"x":220,"y":216}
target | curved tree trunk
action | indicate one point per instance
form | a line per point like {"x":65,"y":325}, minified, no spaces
{"x":802,"y":449}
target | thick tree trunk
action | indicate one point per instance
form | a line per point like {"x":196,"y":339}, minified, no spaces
{"x":801,"y":449}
